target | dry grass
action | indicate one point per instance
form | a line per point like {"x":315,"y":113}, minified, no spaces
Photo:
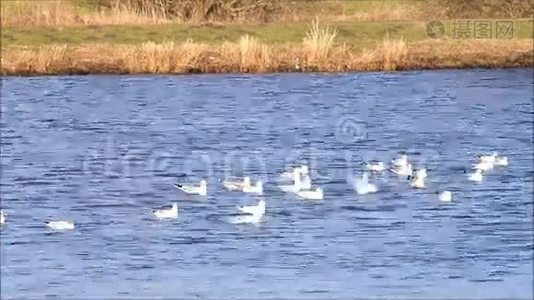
{"x":250,"y":55}
{"x":39,"y":13}
{"x":204,"y":10}
{"x":382,"y":10}
{"x":24,"y":13}
{"x":394,"y":53}
{"x":253,"y":54}
{"x":318,"y":43}
{"x":28,"y":13}
{"x":465,"y":9}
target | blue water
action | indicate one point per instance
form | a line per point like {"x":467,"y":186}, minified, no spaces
{"x":103,"y":150}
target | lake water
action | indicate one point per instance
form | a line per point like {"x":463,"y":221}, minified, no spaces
{"x":104,"y":150}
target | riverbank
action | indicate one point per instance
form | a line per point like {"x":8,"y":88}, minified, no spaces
{"x":252,"y":56}
{"x":112,"y":45}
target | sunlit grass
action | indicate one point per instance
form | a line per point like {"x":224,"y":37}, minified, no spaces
{"x":354,"y":33}
{"x":251,"y":55}
{"x":394,"y":52}
{"x":318,"y":42}
{"x":23,"y":13}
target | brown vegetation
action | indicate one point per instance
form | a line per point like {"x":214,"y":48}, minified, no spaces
{"x":481,"y":8}
{"x":142,"y":12}
{"x":250,"y":55}
{"x":203,"y":10}
{"x":318,"y":50}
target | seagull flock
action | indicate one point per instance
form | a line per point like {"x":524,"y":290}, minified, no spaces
{"x":297,"y":181}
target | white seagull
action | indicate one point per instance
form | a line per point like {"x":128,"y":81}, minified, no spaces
{"x":484,"y":165}
{"x":305,"y":182}
{"x":251,"y":213}
{"x":401,"y":166}
{"x":402,"y":160}
{"x":60,"y":225}
{"x":445,"y":196}
{"x":258,"y":209}
{"x":235,"y":185}
{"x":362,"y":186}
{"x":501,"y":161}
{"x":418,"y":179}
{"x":295,"y":186}
{"x":421,"y":173}
{"x":193,"y":189}
{"x":289,"y":175}
{"x":166,"y":212}
{"x":488,"y":158}
{"x":375,"y":166}
{"x":316,"y":194}
{"x":253,"y":189}
{"x":477,"y":176}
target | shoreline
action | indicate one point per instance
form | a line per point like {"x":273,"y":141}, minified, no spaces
{"x":249,"y":56}
{"x":49,"y":38}
{"x":264,"y":73}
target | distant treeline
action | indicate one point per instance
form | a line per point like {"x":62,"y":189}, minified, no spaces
{"x":485,"y":8}
{"x":204,"y":10}
{"x":271,"y":10}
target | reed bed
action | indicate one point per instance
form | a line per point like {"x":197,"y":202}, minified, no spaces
{"x":25,"y":13}
{"x":393,"y":52}
{"x":28,"y":13}
{"x":250,"y":55}
{"x":318,"y":43}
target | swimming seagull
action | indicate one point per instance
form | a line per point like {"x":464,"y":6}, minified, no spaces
{"x":418,"y":180}
{"x":477,"y":176}
{"x":235,"y":185}
{"x":193,"y":189}
{"x":2,"y":217}
{"x":362,"y":186}
{"x":501,"y":161}
{"x":401,"y":166}
{"x":166,"y":212}
{"x":258,"y":209}
{"x":375,"y":166}
{"x":402,"y":160}
{"x":305,"y":183}
{"x":60,"y":225}
{"x":251,"y":213}
{"x":316,"y":194}
{"x":289,"y":175}
{"x":483,"y":165}
{"x":421,"y":173}
{"x":445,"y":196}
{"x":253,"y":189}
{"x":295,"y":186}
{"x":488,"y":158}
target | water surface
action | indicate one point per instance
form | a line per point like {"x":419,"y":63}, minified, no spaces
{"x":103,"y":150}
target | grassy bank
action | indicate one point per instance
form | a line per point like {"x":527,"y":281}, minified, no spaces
{"x":353,"y":33}
{"x":23,"y":13}
{"x":82,"y":37}
{"x":250,"y":55}
{"x":28,"y":13}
